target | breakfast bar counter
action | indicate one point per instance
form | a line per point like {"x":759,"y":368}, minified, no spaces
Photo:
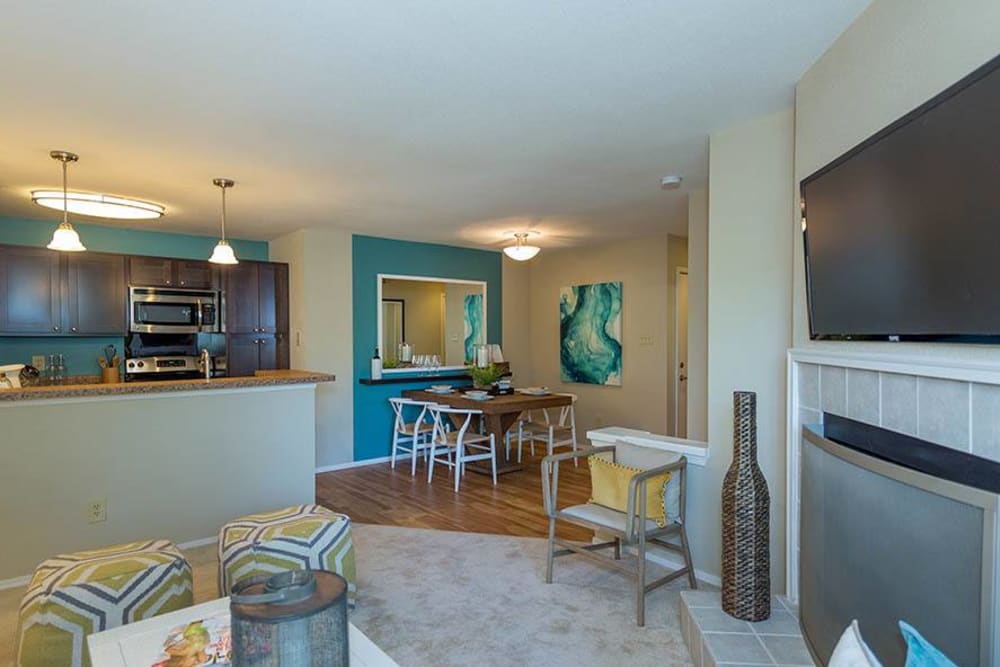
{"x":261,"y":379}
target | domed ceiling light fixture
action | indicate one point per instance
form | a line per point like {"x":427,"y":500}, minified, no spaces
{"x":65,"y":237}
{"x":520,"y":250}
{"x":223,"y":253}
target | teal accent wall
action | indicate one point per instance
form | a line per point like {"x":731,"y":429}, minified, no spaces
{"x":81,"y":352}
{"x":372,"y":256}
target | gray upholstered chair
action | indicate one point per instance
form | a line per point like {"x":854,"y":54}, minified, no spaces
{"x":624,"y":528}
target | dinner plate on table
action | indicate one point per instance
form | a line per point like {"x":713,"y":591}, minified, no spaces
{"x":535,"y":391}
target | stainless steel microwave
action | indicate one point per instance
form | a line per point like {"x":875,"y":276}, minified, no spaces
{"x":165,"y":310}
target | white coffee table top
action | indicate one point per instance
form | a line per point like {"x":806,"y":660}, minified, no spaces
{"x":139,"y":644}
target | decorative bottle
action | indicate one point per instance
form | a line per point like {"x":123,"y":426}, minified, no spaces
{"x":746,"y":558}
{"x":376,"y":366}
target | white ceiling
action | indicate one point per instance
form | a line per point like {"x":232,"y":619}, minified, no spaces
{"x":440,"y":120}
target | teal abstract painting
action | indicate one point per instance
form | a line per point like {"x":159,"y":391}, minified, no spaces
{"x":590,"y":333}
{"x":473,"y":324}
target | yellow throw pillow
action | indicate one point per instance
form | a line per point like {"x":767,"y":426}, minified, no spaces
{"x":609,"y":487}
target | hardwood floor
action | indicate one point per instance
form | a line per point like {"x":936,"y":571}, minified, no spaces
{"x":379,"y":495}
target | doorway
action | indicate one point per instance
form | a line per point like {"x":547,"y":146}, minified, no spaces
{"x":680,"y":371}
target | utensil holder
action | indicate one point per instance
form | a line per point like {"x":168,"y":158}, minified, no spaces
{"x":110,"y":376}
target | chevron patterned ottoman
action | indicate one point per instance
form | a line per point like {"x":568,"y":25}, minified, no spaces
{"x":73,"y":595}
{"x":295,"y":538}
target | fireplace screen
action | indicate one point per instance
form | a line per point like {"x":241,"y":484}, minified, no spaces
{"x":881,"y":542}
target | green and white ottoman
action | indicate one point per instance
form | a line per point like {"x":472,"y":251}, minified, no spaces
{"x":295,"y":538}
{"x":73,"y":595}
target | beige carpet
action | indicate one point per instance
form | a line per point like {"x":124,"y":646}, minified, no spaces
{"x":438,"y":598}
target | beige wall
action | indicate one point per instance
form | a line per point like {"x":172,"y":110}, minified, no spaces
{"x":894,"y":57}
{"x":641,"y":266}
{"x":517,"y":320}
{"x":322,"y":316}
{"x":252,"y":451}
{"x":750,"y":233}
{"x":424,"y":314}
{"x":677,"y":257}
{"x":697,"y":371}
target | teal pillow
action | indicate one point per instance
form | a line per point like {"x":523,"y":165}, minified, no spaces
{"x":919,"y":651}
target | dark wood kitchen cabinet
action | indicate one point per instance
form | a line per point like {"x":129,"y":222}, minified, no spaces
{"x":47,"y":292}
{"x":257,"y":298}
{"x":249,"y":353}
{"x":30,"y":290}
{"x":164,"y":272}
{"x":95,"y":301}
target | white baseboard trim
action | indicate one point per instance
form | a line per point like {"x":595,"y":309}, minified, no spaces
{"x":205,"y":541}
{"x":352,"y":464}
{"x":18,"y":582}
{"x":15,"y":582}
{"x":667,"y":559}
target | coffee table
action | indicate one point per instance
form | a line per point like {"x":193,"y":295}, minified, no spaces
{"x":139,"y":644}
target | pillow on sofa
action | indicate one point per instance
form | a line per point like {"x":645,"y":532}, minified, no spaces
{"x":851,"y":650}
{"x":609,"y":483}
{"x":919,"y":651}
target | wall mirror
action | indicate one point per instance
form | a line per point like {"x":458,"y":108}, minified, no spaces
{"x":434,"y":317}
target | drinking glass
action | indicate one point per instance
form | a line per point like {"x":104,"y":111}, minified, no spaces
{"x":435,"y":363}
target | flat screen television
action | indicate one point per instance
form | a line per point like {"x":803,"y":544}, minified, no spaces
{"x":902,"y":233}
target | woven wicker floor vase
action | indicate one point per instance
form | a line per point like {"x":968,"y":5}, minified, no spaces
{"x":746,"y":558}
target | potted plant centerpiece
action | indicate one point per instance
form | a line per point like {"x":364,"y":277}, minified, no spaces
{"x":484,"y":377}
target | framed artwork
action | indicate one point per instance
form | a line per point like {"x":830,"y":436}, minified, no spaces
{"x":474,"y":334}
{"x":590,"y":333}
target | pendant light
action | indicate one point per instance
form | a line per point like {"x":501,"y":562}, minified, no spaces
{"x":223,"y":253}
{"x":65,"y":237}
{"x":520,"y":251}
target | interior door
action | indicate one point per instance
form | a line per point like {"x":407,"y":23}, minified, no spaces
{"x":681,"y":340}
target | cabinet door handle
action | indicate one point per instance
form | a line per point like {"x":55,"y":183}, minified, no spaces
{"x":55,"y":328}
{"x":73,"y":329}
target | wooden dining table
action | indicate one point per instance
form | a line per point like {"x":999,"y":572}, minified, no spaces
{"x":499,"y":414}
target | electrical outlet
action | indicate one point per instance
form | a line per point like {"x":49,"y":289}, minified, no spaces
{"x":97,"y":510}
{"x":38,"y":361}
{"x":298,"y":338}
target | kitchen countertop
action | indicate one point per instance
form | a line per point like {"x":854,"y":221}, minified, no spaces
{"x":261,"y":379}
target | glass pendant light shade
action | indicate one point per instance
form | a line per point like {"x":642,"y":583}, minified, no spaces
{"x":65,"y":237}
{"x":223,"y":253}
{"x":519,"y":250}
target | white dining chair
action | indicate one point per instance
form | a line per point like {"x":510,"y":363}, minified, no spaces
{"x":554,"y":431}
{"x":412,"y":437}
{"x":458,"y":446}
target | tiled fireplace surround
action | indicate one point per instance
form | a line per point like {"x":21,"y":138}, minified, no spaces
{"x":951,"y":403}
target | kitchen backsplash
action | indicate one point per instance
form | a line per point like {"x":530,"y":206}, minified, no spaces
{"x":81,"y":352}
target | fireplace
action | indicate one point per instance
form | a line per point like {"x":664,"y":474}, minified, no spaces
{"x":892,"y":527}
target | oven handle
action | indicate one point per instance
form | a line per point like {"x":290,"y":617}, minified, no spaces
{"x":201,"y":315}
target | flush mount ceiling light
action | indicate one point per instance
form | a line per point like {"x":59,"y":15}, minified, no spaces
{"x":671,"y":182}
{"x":520,"y":250}
{"x":223,"y":253}
{"x":97,"y":205}
{"x":65,"y":237}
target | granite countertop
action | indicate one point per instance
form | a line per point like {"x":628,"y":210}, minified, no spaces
{"x":261,"y":379}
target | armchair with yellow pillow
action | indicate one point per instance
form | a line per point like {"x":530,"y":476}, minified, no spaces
{"x":637,"y":498}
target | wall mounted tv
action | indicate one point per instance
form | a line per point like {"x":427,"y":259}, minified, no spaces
{"x":902,"y":233}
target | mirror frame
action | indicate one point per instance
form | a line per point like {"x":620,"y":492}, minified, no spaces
{"x":379,"y":278}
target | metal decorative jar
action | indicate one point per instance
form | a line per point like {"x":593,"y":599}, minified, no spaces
{"x":292,"y":619}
